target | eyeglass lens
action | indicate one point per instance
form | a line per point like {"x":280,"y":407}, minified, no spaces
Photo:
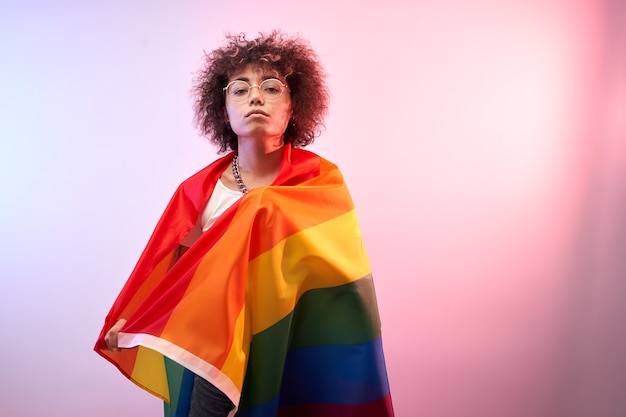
{"x":271,"y":89}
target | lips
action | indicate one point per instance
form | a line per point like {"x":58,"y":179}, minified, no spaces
{"x":253,"y":112}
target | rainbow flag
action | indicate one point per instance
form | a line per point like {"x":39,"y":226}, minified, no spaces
{"x":274,"y":305}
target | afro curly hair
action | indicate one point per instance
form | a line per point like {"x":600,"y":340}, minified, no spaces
{"x":291,"y":57}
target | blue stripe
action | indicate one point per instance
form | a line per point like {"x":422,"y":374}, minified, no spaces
{"x":180,"y":381}
{"x":336,"y":374}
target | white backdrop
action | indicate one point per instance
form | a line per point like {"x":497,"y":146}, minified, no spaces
{"x":483,"y":142}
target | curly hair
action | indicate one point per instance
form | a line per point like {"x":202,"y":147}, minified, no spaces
{"x":291,"y":57}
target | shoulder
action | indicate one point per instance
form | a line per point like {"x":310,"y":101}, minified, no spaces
{"x":303,"y":156}
{"x":200,"y":185}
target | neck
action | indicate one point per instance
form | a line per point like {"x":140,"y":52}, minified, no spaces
{"x":260,"y":158}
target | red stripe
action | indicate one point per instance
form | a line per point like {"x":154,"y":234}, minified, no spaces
{"x":378,"y":408}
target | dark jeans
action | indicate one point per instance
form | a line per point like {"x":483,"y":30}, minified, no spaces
{"x":208,"y":401}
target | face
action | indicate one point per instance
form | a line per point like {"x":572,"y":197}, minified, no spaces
{"x":257,"y":116}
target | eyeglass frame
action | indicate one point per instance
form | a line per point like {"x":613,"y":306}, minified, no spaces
{"x":285,"y":86}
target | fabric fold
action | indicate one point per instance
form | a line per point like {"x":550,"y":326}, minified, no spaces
{"x":274,"y":304}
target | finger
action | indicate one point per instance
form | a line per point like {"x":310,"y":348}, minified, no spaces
{"x":111,"y":341}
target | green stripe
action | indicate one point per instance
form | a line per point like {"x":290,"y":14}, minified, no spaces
{"x":174,"y":380}
{"x":342,"y":315}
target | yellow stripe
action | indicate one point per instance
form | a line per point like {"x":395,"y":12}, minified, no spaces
{"x":236,"y":361}
{"x":149,"y":372}
{"x":317,"y":257}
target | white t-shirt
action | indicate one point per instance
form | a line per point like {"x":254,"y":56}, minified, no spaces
{"x":221,"y":199}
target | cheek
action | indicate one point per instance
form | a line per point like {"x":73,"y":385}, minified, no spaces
{"x":229,"y":112}
{"x":288,"y":112}
{"x":286,"y":116}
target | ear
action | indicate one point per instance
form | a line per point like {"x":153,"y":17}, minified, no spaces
{"x":225,"y":115}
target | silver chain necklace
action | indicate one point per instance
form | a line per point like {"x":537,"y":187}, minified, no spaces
{"x":237,"y":175}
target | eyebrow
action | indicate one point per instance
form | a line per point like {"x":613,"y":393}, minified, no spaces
{"x":265,"y":77}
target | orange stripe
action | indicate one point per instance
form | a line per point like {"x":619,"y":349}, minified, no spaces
{"x":280,"y":276}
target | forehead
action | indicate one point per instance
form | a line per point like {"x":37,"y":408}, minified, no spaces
{"x":256,"y":71}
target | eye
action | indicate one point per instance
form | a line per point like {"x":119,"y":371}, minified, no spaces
{"x":272,"y":87}
{"x":239,"y":88}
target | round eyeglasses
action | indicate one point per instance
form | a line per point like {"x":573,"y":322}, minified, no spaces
{"x":239,"y":90}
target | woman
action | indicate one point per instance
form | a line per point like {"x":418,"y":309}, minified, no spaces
{"x":254,"y":294}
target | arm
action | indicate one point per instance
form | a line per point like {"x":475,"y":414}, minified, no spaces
{"x":111,"y":337}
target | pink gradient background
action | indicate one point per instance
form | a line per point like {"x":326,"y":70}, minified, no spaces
{"x":484,"y":143}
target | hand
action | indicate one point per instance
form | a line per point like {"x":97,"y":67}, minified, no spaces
{"x":111,"y":336}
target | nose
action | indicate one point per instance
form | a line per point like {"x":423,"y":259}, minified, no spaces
{"x":256,"y":95}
